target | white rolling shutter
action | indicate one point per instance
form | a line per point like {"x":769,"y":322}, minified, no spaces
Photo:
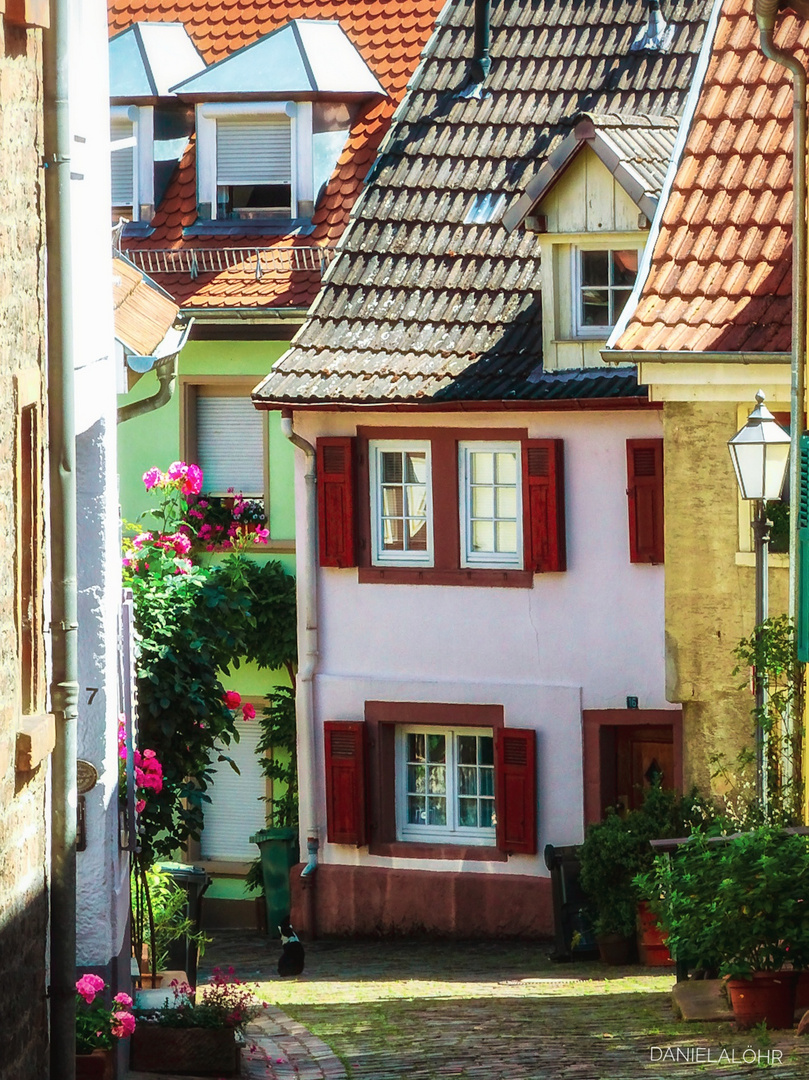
{"x":254,"y":150}
{"x":236,"y":810}
{"x":230,"y":446}
{"x":122,"y":161}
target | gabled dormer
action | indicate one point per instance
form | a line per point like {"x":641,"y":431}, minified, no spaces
{"x":590,"y":205}
{"x":149,"y":129}
{"x":271,"y":122}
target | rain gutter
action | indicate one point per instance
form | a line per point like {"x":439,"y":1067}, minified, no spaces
{"x":766,"y":13}
{"x":64,"y":599}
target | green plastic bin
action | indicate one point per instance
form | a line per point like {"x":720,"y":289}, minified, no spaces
{"x":279,"y":853}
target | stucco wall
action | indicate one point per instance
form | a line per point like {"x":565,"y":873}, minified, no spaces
{"x":710,"y":600}
{"x":24,"y":809}
{"x":586,"y":638}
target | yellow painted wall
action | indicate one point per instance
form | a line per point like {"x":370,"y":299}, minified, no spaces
{"x":710,"y":599}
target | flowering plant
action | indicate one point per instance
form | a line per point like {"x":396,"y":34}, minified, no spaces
{"x":97,"y":1028}
{"x":225,"y":1001}
{"x":148,"y":770}
{"x":222,"y":522}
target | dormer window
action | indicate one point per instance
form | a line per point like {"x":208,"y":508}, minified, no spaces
{"x":254,"y":167}
{"x":131,"y":164}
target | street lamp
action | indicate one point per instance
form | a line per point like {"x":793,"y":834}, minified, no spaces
{"x":760,"y":454}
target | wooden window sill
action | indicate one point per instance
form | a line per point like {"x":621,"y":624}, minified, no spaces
{"x":406,"y":575}
{"x":776,"y":560}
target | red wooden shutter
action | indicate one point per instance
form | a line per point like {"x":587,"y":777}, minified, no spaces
{"x":543,"y":467}
{"x":345,"y":781}
{"x":516,"y":790}
{"x":644,"y":467}
{"x":335,"y":501}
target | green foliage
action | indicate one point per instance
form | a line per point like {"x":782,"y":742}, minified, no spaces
{"x":279,"y":762}
{"x":738,"y":903}
{"x":168,"y":902}
{"x":616,"y":850}
{"x":223,"y":1002}
{"x":771,"y":651}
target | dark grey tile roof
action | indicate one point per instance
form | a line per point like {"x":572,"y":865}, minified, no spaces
{"x":645,"y":143}
{"x":420,"y":306}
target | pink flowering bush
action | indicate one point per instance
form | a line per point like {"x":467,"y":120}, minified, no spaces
{"x":98,"y":1027}
{"x":225,"y":1001}
{"x":148,"y":770}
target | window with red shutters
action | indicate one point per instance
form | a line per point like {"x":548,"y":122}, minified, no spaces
{"x":644,"y":462}
{"x":544,"y":505}
{"x":336,"y":501}
{"x":516,"y":790}
{"x":345,"y":782}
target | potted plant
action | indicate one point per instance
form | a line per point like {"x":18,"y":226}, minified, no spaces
{"x":740,"y":904}
{"x":98,"y":1028}
{"x":167,"y":904}
{"x":196,"y":1035}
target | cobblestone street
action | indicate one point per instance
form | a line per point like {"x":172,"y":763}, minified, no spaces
{"x":427,"y":1011}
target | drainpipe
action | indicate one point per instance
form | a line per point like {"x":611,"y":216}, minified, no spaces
{"x":482,"y":61}
{"x":766,"y":13}
{"x":167,"y":377}
{"x":64,"y":603}
{"x":307,"y":666}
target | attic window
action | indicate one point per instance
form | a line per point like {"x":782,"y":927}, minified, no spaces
{"x":254,"y":167}
{"x":122,"y":157}
{"x":603,"y":283}
{"x":486,"y":207}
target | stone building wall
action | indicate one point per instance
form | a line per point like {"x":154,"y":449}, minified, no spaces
{"x":23,"y":795}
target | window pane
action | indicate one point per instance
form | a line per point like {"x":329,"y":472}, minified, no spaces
{"x":507,"y":536}
{"x":481,"y":467}
{"x":392,"y":534}
{"x":391,"y":467}
{"x":467,"y":749}
{"x":417,"y":537}
{"x":437,"y":780}
{"x":624,"y":267}
{"x":507,"y":502}
{"x":416,"y":814}
{"x":415,"y":747}
{"x":467,"y":780}
{"x":415,"y":779}
{"x":436,"y":747}
{"x":468,"y":813}
{"x":595,"y":267}
{"x":437,"y":811}
{"x":483,"y":536}
{"x":595,"y":307}
{"x":392,"y":502}
{"x":416,"y":468}
{"x":619,"y":299}
{"x":482,"y":502}
{"x":486,"y":779}
{"x":486,"y":750}
{"x":487,"y":813}
{"x":507,"y":468}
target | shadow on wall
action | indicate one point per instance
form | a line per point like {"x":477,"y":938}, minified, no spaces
{"x":23,"y":934}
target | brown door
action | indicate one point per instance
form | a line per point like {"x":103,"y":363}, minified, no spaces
{"x":643,"y":755}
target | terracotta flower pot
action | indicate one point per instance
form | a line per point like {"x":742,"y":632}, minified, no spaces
{"x":185,"y":1051}
{"x":614,"y":948}
{"x":95,"y":1066}
{"x":768,"y":997}
{"x":802,"y":990}
{"x":652,"y":947}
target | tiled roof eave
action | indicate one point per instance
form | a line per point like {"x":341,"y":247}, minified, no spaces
{"x":633,"y":401}
{"x":685,"y":356}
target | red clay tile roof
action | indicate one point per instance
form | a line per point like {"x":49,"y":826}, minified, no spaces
{"x":721,"y":272}
{"x":390,"y":34}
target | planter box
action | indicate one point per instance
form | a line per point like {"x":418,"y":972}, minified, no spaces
{"x":185,"y":1051}
{"x":652,"y":947}
{"x":95,"y":1066}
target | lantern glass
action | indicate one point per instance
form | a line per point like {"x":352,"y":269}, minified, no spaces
{"x":760,"y":455}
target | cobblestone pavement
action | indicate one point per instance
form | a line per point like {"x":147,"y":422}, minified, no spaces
{"x":481,"y":1011}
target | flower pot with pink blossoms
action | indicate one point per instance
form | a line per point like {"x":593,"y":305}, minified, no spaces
{"x":99,"y":1028}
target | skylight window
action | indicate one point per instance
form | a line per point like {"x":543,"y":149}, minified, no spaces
{"x":485,"y":208}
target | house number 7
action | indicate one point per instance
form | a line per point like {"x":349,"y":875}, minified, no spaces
{"x":92,"y":691}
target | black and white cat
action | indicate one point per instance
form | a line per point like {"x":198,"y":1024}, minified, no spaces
{"x":290,"y":961}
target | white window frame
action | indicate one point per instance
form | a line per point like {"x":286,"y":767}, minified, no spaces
{"x":579,"y":329}
{"x":487,"y":559}
{"x":300,"y":118}
{"x":452,"y":832}
{"x":142,"y":119}
{"x":379,"y":556}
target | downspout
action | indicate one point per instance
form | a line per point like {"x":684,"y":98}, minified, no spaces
{"x":166,"y":371}
{"x":766,"y":12}
{"x":64,"y":603}
{"x":307,"y":666}
{"x":482,"y":61}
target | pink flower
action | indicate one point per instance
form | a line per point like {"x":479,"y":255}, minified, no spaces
{"x":123,"y":1024}
{"x":232,"y":699}
{"x":88,"y":986}
{"x":140,"y":806}
{"x":184,"y":566}
{"x":192,"y":483}
{"x":141,"y":539}
{"x":152,"y":478}
{"x":123,"y":999}
{"x":177,"y":470}
{"x":248,"y":711}
{"x":261,"y":536}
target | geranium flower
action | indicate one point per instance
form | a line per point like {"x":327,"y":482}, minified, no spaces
{"x":123,"y":999}
{"x":88,"y":986}
{"x":123,"y":1024}
{"x":152,"y":478}
{"x":248,"y":711}
{"x":232,"y":699}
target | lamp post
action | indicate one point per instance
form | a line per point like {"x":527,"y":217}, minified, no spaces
{"x":760,"y":454}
